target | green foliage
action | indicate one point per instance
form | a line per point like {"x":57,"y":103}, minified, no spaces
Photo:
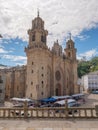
{"x":94,"y":64}
{"x":85,"y":67}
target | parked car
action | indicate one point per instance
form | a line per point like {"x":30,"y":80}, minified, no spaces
{"x":46,"y":105}
{"x":18,"y":105}
{"x":94,"y":92}
{"x":74,"y":104}
{"x":63,"y":111}
{"x":30,"y":104}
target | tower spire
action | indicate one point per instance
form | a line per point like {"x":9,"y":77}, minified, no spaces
{"x":70,"y":35}
{"x":37,"y":12}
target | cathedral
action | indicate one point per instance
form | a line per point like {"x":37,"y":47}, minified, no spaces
{"x":49,"y":72}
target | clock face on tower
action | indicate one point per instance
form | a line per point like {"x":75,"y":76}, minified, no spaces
{"x":57,"y":75}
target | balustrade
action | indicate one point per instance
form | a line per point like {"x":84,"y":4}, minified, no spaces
{"x":49,"y":112}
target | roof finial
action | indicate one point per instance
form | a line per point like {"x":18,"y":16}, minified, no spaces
{"x":70,"y":35}
{"x":38,"y":12}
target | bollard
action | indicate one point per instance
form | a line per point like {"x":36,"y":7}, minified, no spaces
{"x":66,"y":108}
{"x":96,"y":109}
{"x":25,"y":109}
{"x":66,"y":104}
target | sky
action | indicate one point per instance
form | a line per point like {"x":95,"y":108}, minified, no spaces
{"x":78,"y":17}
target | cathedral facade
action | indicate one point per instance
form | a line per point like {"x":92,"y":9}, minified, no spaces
{"x":49,"y":72}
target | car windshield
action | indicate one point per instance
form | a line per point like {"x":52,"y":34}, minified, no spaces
{"x":71,"y":104}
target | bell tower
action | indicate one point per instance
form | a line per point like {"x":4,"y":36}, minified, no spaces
{"x":37,"y":34}
{"x":70,"y":50}
{"x":37,"y":59}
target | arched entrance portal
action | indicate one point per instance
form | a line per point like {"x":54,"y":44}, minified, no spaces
{"x":58,"y":90}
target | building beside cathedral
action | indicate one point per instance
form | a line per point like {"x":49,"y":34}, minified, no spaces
{"x":15,"y":81}
{"x":2,"y":89}
{"x":48,"y":72}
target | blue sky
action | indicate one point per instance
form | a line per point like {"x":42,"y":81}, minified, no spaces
{"x":80,"y":17}
{"x":87,"y":46}
{"x":13,"y":52}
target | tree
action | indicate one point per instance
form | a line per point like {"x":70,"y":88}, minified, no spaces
{"x":85,"y":67}
{"x":94,"y":64}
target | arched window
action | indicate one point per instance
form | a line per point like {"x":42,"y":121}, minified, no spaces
{"x":31,"y":95}
{"x":33,"y":37}
{"x":31,"y":83}
{"x":17,"y":88}
{"x":42,"y":75}
{"x":69,"y":46}
{"x":42,"y":82}
{"x":42,"y":67}
{"x":42,"y":93}
{"x":57,"y":75}
{"x":42,"y":38}
{"x":69,"y":55}
{"x":1,"y":81}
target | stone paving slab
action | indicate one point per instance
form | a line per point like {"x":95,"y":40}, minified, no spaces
{"x":21,"y":128}
{"x":48,"y":124}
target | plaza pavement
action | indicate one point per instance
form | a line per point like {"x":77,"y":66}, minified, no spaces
{"x":42,"y":124}
{"x":54,"y":124}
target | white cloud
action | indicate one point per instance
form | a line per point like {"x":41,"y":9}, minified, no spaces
{"x":2,"y":50}
{"x":60,"y":17}
{"x":89,"y":54}
{"x":83,"y":37}
{"x":17,"y":43}
{"x":15,"y":58}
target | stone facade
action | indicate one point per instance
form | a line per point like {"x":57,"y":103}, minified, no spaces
{"x":15,"y":82}
{"x":49,"y":72}
{"x":2,"y":88}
